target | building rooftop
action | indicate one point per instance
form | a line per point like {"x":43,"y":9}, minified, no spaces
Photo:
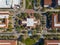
{"x":9,"y":3}
{"x":4,"y":19}
{"x":47,"y":3}
{"x":55,"y":21}
{"x":8,"y":42}
{"x":52,"y":42}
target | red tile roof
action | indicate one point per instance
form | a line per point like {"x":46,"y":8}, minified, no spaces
{"x":47,"y":2}
{"x":56,"y":20}
{"x":51,"y":42}
{"x":8,"y":42}
{"x":6,"y":19}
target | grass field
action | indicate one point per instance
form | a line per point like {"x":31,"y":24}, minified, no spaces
{"x":29,"y":41}
{"x":29,"y":4}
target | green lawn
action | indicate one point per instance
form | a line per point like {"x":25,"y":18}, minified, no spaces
{"x":28,"y":6}
{"x":29,"y":41}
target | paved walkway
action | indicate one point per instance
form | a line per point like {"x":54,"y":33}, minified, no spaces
{"x":55,"y":10}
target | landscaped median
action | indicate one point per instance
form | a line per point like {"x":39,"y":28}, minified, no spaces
{"x":7,"y":37}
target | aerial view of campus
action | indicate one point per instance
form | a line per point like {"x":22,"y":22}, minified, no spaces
{"x":29,"y":22}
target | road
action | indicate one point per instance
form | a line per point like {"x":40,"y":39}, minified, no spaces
{"x":54,"y":10}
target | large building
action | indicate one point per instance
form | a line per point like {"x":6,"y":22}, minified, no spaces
{"x":51,"y":3}
{"x":9,"y":3}
{"x":52,"y":42}
{"x":8,"y":42}
{"x":4,"y":15}
{"x":47,"y":3}
{"x":55,"y":20}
